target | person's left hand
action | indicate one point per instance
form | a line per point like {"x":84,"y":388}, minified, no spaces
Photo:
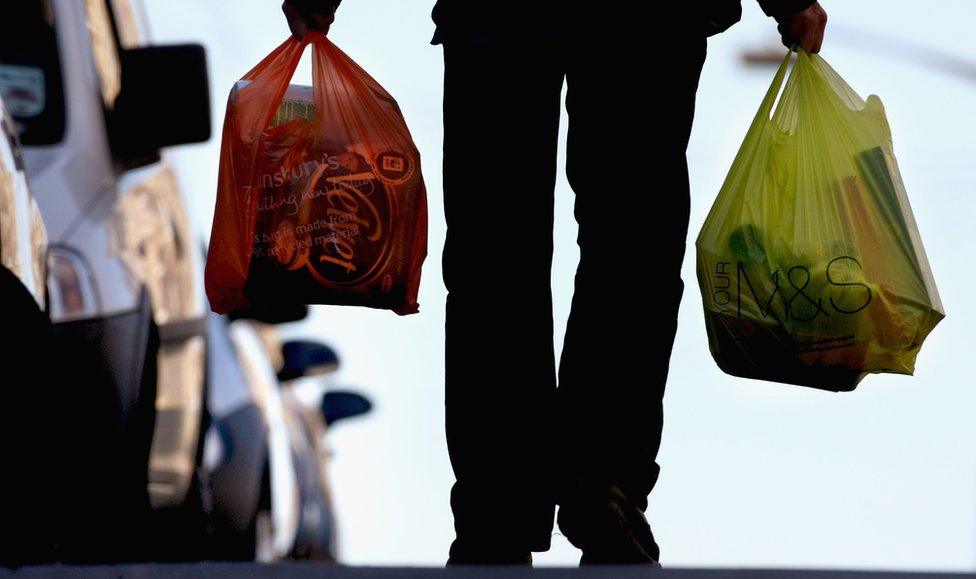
{"x":301,"y":23}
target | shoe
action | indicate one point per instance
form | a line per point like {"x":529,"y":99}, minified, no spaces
{"x":608,"y":528}
{"x":464,"y":554}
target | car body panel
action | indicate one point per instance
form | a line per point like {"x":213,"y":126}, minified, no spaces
{"x":152,"y":238}
{"x":263,"y":380}
{"x":69,"y":176}
{"x":26,"y":502}
{"x":236,"y":445}
{"x":315,"y":537}
{"x":236,"y":479}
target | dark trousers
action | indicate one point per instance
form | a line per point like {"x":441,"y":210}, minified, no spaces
{"x":517,"y":444}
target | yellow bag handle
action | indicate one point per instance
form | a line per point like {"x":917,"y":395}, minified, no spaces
{"x":769,"y":101}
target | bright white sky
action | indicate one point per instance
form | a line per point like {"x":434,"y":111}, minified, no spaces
{"x":753,"y":474}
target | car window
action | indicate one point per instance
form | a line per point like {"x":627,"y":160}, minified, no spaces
{"x":153,"y":230}
{"x":9,"y":131}
{"x":30,"y":71}
{"x":104,"y":50}
{"x":9,"y":242}
{"x":126,"y":23}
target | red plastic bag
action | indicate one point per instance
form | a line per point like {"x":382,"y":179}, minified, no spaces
{"x":320,"y":198}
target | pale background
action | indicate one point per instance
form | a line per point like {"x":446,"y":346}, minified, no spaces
{"x":754,"y":474}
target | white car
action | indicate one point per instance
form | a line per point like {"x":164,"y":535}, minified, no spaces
{"x":94,"y":105}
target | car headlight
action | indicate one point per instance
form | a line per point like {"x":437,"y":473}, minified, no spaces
{"x":71,"y":286}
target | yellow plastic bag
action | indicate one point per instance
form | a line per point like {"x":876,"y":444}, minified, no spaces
{"x":810,"y":264}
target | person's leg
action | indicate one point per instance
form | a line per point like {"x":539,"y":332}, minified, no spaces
{"x":626,"y":164}
{"x":501,"y":117}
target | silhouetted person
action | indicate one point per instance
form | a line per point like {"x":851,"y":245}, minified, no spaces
{"x":517,"y":444}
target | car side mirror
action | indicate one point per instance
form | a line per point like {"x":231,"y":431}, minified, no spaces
{"x":341,"y":405}
{"x":303,"y":359}
{"x":164,"y":100}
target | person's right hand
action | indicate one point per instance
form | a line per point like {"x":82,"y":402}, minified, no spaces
{"x":320,"y":17}
{"x":805,"y":28}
